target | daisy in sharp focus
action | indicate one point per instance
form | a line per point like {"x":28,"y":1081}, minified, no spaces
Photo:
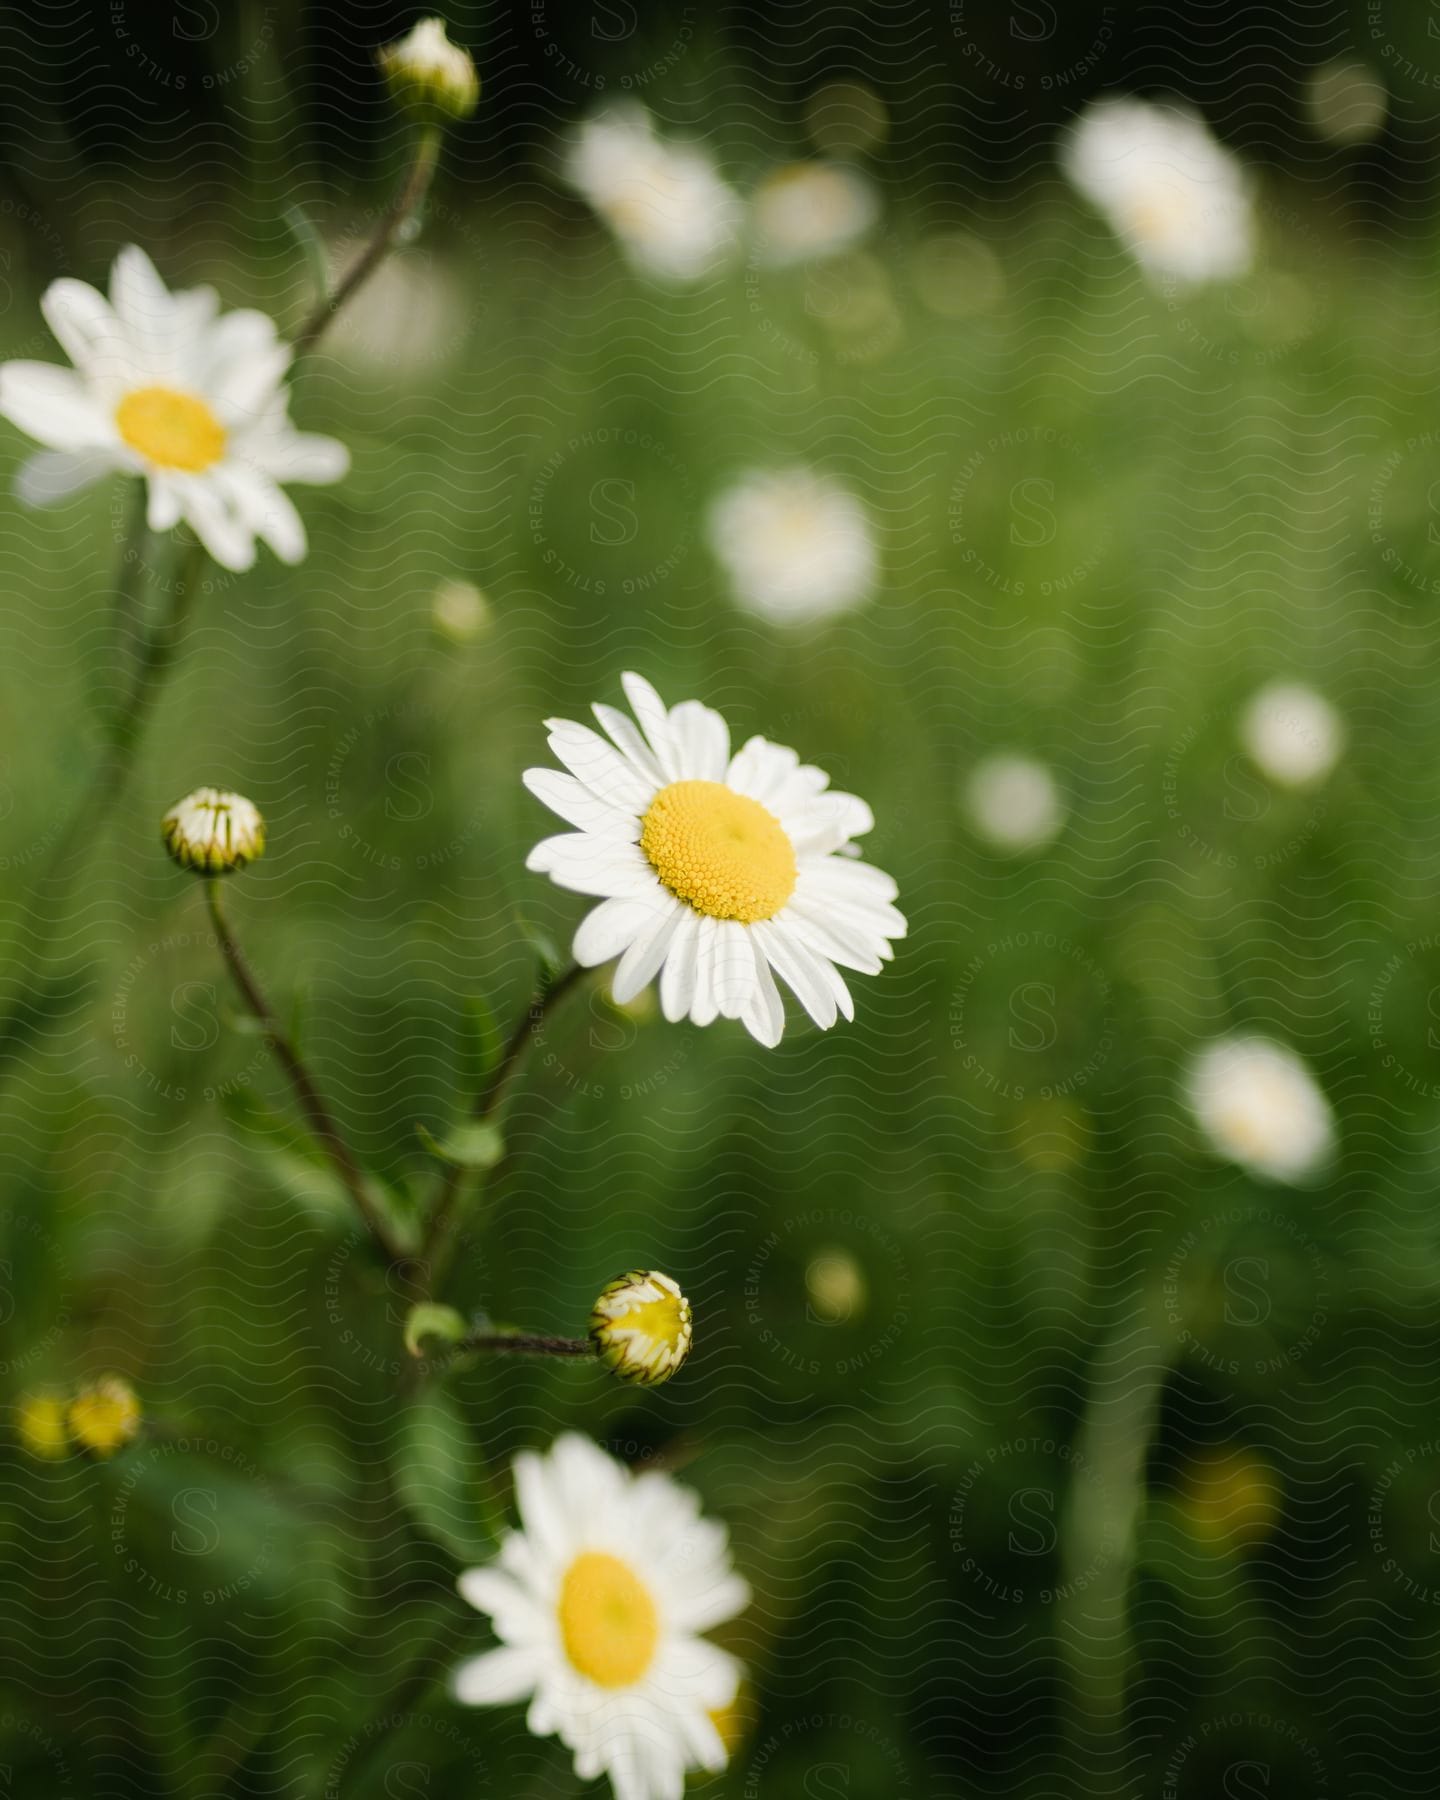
{"x":796,"y":545}
{"x":672,"y":212}
{"x":715,"y":871}
{"x":166,"y":387}
{"x":1177,"y":197}
{"x":599,"y":1601}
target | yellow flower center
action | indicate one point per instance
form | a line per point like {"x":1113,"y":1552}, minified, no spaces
{"x":171,"y":429}
{"x":608,"y":1621}
{"x":719,"y":850}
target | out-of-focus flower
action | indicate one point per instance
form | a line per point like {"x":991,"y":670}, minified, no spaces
{"x":1229,"y":1497}
{"x":811,"y":209}
{"x":1261,"y":1107}
{"x":1178,"y":199}
{"x":796,"y":544}
{"x":640,"y":1325}
{"x":665,"y":202}
{"x":1013,"y":802}
{"x":460,"y":611}
{"x":105,"y":1416}
{"x":166,"y":388}
{"x":1346,"y":101}
{"x":408,"y":319}
{"x":835,"y":1286}
{"x":429,"y":74}
{"x":599,"y":1601}
{"x":211,"y":832}
{"x":40,"y":1425}
{"x":715,"y":872}
{"x":1295,"y":735}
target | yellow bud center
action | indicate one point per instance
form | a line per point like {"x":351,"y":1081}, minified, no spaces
{"x":171,"y":429}
{"x":608,"y":1621}
{"x":719,"y":850}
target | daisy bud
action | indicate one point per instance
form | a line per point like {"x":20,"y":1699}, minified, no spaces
{"x":640,"y":1327}
{"x":429,"y":74}
{"x":105,"y":1416}
{"x":40,"y":1425}
{"x":213,"y":833}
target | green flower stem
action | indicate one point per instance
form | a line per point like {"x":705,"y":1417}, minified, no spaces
{"x":1099,"y":1539}
{"x":318,"y":1116}
{"x":439,"y":1241}
{"x":407,"y":198}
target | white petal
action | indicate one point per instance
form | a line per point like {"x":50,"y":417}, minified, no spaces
{"x":226,"y":536}
{"x":587,"y":864}
{"x":54,"y":475}
{"x":602,"y":768}
{"x":163,"y":507}
{"x":702,"y":740}
{"x":142,"y":303}
{"x":826,"y":822}
{"x":801,"y":971}
{"x":301,"y":456}
{"x":88,"y":332}
{"x":579,"y":806}
{"x":611,"y":929}
{"x":53,"y":405}
{"x":241,"y":390}
{"x":629,"y":742}
{"x":705,"y":999}
{"x":677,"y":980}
{"x":734,"y":967}
{"x":764,"y":1017}
{"x":269,"y":513}
{"x":649,"y":709}
{"x":640,"y":962}
{"x":495,"y":1679}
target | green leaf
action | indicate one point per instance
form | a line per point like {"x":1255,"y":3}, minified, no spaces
{"x":547,"y":953}
{"x":440,"y":1478}
{"x":298,"y":223}
{"x":429,"y":1319}
{"x":475,"y":1145}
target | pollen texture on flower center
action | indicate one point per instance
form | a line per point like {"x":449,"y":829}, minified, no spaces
{"x":607,"y":1620}
{"x":171,"y":429}
{"x":719,"y":850}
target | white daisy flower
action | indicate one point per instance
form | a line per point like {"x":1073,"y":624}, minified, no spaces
{"x":796,"y":545}
{"x":1261,"y":1107}
{"x":599,"y":1601}
{"x":166,"y":388}
{"x":715,"y":872}
{"x":1294,"y":735}
{"x":674,"y":215}
{"x":1013,"y":802}
{"x":1179,"y":199}
{"x":811,"y":209}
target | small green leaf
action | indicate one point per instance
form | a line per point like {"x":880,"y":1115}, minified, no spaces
{"x":298,"y":223}
{"x":431,"y":1320}
{"x":546,"y":953}
{"x":439,"y":1478}
{"x":479,"y":1047}
{"x":475,"y":1145}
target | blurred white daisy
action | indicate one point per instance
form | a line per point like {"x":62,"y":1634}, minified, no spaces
{"x":665,"y":201}
{"x":1013,"y":802}
{"x":796,"y":544}
{"x":1294,"y":735}
{"x":599,"y":1601}
{"x":1180,"y":200}
{"x":811,"y":209}
{"x":166,"y":388}
{"x":716,"y":872}
{"x":1261,"y":1107}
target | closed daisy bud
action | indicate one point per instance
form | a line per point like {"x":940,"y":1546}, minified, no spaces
{"x":430,"y":74}
{"x":40,"y":1425}
{"x":105,"y":1416}
{"x":640,"y":1326}
{"x":212,"y":832}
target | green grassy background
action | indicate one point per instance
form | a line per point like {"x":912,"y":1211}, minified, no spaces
{"x":258,"y":1598}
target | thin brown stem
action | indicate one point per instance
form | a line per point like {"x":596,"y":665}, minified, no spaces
{"x":438,"y":1244}
{"x":525,"y":1343}
{"x":317,"y":1113}
{"x":407,"y":197}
